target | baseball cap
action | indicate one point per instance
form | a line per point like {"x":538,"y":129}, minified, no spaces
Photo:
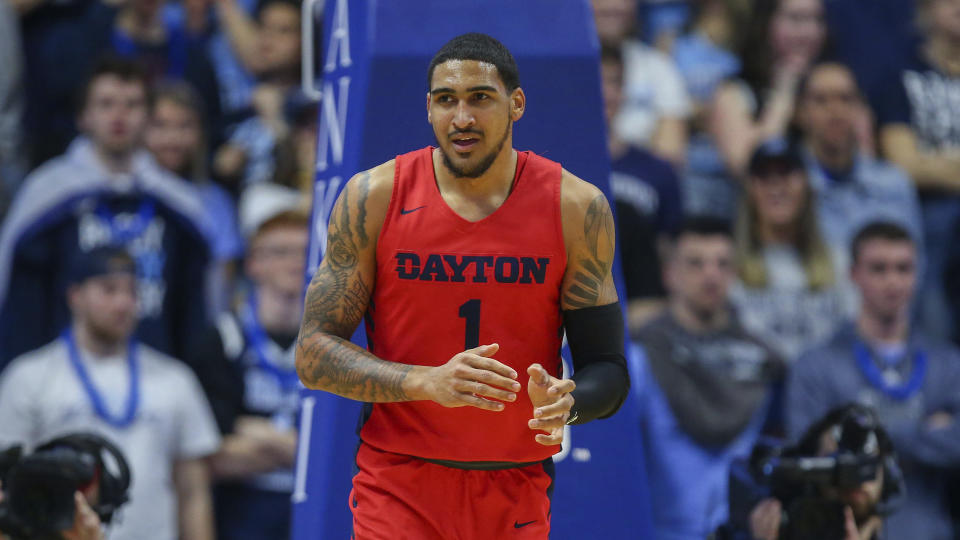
{"x":100,"y":261}
{"x":262,"y":202}
{"x":777,"y":151}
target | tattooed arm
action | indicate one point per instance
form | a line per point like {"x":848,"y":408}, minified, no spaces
{"x":337,"y":300}
{"x":588,"y":233}
{"x":591,"y":312}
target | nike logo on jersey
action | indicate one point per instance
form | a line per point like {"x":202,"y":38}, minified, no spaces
{"x":479,"y":268}
{"x":517,"y":525}
{"x":404,"y":211}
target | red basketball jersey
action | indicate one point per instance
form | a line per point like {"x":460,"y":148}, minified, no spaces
{"x":445,"y":284}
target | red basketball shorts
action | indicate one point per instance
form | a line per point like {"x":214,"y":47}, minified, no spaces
{"x":398,"y":497}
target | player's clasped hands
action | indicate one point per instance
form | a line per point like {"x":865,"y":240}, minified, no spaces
{"x":473,"y":379}
{"x":552,"y":403}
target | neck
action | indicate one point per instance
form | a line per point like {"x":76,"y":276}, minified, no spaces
{"x":698,"y":322}
{"x":944,"y":53}
{"x":494,"y":184}
{"x":278,"y":311}
{"x":834,"y":158}
{"x":778,"y":234}
{"x":96,"y":345}
{"x":115,"y":162}
{"x":883,"y":330}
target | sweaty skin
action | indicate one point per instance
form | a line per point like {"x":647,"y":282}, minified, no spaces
{"x":469,"y":108}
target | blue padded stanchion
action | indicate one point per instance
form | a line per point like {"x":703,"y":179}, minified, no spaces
{"x":375,"y":59}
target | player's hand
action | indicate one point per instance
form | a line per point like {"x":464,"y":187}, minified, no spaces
{"x":551,"y":401}
{"x":86,"y":523}
{"x":765,"y":520}
{"x":472,"y":379}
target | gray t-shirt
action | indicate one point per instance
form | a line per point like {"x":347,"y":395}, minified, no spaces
{"x":787,"y":315}
{"x":41,"y":397}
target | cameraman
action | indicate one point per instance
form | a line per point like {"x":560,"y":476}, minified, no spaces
{"x":86,"y":523}
{"x":909,"y":379}
{"x":862,"y":505}
{"x":99,"y":378}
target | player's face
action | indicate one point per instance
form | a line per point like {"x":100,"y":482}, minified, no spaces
{"x":472,"y":115}
{"x":829,"y":107}
{"x":115,"y":114}
{"x":106,"y":306}
{"x":701,"y":271}
{"x":779,"y":195}
{"x":173,"y":136}
{"x":277,"y":258}
{"x":797,"y":31}
{"x":885,"y":272}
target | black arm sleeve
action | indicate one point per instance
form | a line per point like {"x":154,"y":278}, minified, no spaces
{"x":595,"y":336}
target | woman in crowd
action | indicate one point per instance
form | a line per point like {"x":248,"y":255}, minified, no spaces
{"x":787,"y":36}
{"x":792,"y":292}
{"x":176,"y":137}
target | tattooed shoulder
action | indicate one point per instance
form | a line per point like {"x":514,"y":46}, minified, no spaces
{"x":590,"y":262}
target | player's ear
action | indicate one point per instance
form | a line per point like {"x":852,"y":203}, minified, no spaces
{"x":429,"y":119}
{"x":518,"y":103}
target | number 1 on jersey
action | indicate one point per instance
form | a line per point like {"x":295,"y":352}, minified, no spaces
{"x":470,"y":311}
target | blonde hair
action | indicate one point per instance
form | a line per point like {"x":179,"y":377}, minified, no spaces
{"x":814,"y":253}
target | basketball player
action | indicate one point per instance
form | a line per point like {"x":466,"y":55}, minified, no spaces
{"x":467,"y":262}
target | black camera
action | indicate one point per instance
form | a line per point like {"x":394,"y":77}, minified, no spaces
{"x":38,"y":487}
{"x":808,"y":481}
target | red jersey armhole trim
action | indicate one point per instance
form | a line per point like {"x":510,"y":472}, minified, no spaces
{"x":394,"y":195}
{"x":558,"y":206}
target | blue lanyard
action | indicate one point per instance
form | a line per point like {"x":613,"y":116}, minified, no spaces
{"x":122,"y":234}
{"x":257,"y":338}
{"x":899,"y":392}
{"x":133,"y":398}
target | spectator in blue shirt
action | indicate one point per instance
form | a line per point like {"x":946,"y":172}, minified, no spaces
{"x":705,"y":53}
{"x":852,"y":188}
{"x":704,"y":385}
{"x":880,"y":360}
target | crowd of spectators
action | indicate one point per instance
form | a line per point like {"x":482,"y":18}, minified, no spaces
{"x":175,"y":134}
{"x":808,"y":255}
{"x":751,"y":143}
